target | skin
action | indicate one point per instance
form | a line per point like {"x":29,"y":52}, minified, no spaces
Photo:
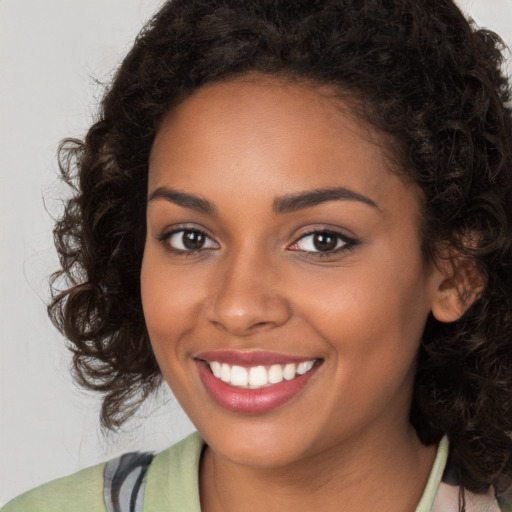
{"x":258,"y":283}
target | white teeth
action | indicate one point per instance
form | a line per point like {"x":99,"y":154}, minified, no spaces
{"x":239,"y":376}
{"x":275,"y":374}
{"x":289,"y":371}
{"x":305,"y":367}
{"x":216,"y":369}
{"x":256,"y":377}
{"x":225,"y":373}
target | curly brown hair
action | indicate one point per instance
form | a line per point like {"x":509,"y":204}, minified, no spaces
{"x":417,"y":71}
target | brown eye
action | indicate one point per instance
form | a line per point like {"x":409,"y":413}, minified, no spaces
{"x":188,"y":240}
{"x":193,"y":240}
{"x":325,"y":241}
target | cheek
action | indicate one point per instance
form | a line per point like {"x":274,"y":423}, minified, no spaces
{"x":373,"y":330}
{"x":170,"y":300}
{"x":372,"y":316}
{"x":367,"y":303}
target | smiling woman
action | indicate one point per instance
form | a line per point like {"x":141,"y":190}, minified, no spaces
{"x":302,"y":208}
{"x":298,"y":215}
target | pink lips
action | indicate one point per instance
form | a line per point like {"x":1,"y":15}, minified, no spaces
{"x":251,"y":401}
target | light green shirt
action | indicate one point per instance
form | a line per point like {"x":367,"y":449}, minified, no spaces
{"x":172,"y":485}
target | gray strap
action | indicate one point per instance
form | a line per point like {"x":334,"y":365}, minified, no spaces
{"x":125,"y":483}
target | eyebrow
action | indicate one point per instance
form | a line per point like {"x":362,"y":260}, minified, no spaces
{"x":281,"y":205}
{"x":312,"y":198}
{"x":183,"y":199}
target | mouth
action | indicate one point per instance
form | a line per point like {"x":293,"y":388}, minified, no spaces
{"x":253,"y":382}
{"x":257,"y":377}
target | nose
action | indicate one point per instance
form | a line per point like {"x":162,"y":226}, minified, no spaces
{"x":247,"y":297}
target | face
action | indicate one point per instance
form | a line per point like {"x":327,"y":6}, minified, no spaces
{"x":283,"y":286}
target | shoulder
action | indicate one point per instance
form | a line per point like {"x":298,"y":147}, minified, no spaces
{"x":171,"y":479}
{"x":80,"y":492}
{"x":505,"y":501}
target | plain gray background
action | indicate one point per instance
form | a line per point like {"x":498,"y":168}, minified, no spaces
{"x":51,"y":53}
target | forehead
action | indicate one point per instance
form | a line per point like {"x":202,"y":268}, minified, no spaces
{"x":276,"y":136}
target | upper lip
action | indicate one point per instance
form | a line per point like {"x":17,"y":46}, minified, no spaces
{"x":251,"y":358}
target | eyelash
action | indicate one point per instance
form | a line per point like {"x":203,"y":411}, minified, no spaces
{"x":348,"y":243}
{"x":166,"y":237}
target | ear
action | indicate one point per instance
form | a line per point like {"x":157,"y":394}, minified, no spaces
{"x":459,"y":285}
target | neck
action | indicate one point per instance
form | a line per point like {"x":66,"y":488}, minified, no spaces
{"x":364,"y":474}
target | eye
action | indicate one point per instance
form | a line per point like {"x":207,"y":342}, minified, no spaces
{"x":325,"y":241}
{"x":188,"y":241}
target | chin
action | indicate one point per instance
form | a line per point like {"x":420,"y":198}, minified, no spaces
{"x":260,"y":445}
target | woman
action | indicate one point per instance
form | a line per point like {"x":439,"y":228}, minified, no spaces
{"x":299,"y":215}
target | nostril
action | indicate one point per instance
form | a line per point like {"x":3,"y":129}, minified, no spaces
{"x":248,"y":321}
{"x":262,"y":325}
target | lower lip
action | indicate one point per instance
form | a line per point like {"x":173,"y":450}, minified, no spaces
{"x":252,"y":401}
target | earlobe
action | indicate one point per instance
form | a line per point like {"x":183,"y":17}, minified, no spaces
{"x":459,"y":285}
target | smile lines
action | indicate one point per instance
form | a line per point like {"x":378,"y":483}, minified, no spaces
{"x":256,"y":377}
